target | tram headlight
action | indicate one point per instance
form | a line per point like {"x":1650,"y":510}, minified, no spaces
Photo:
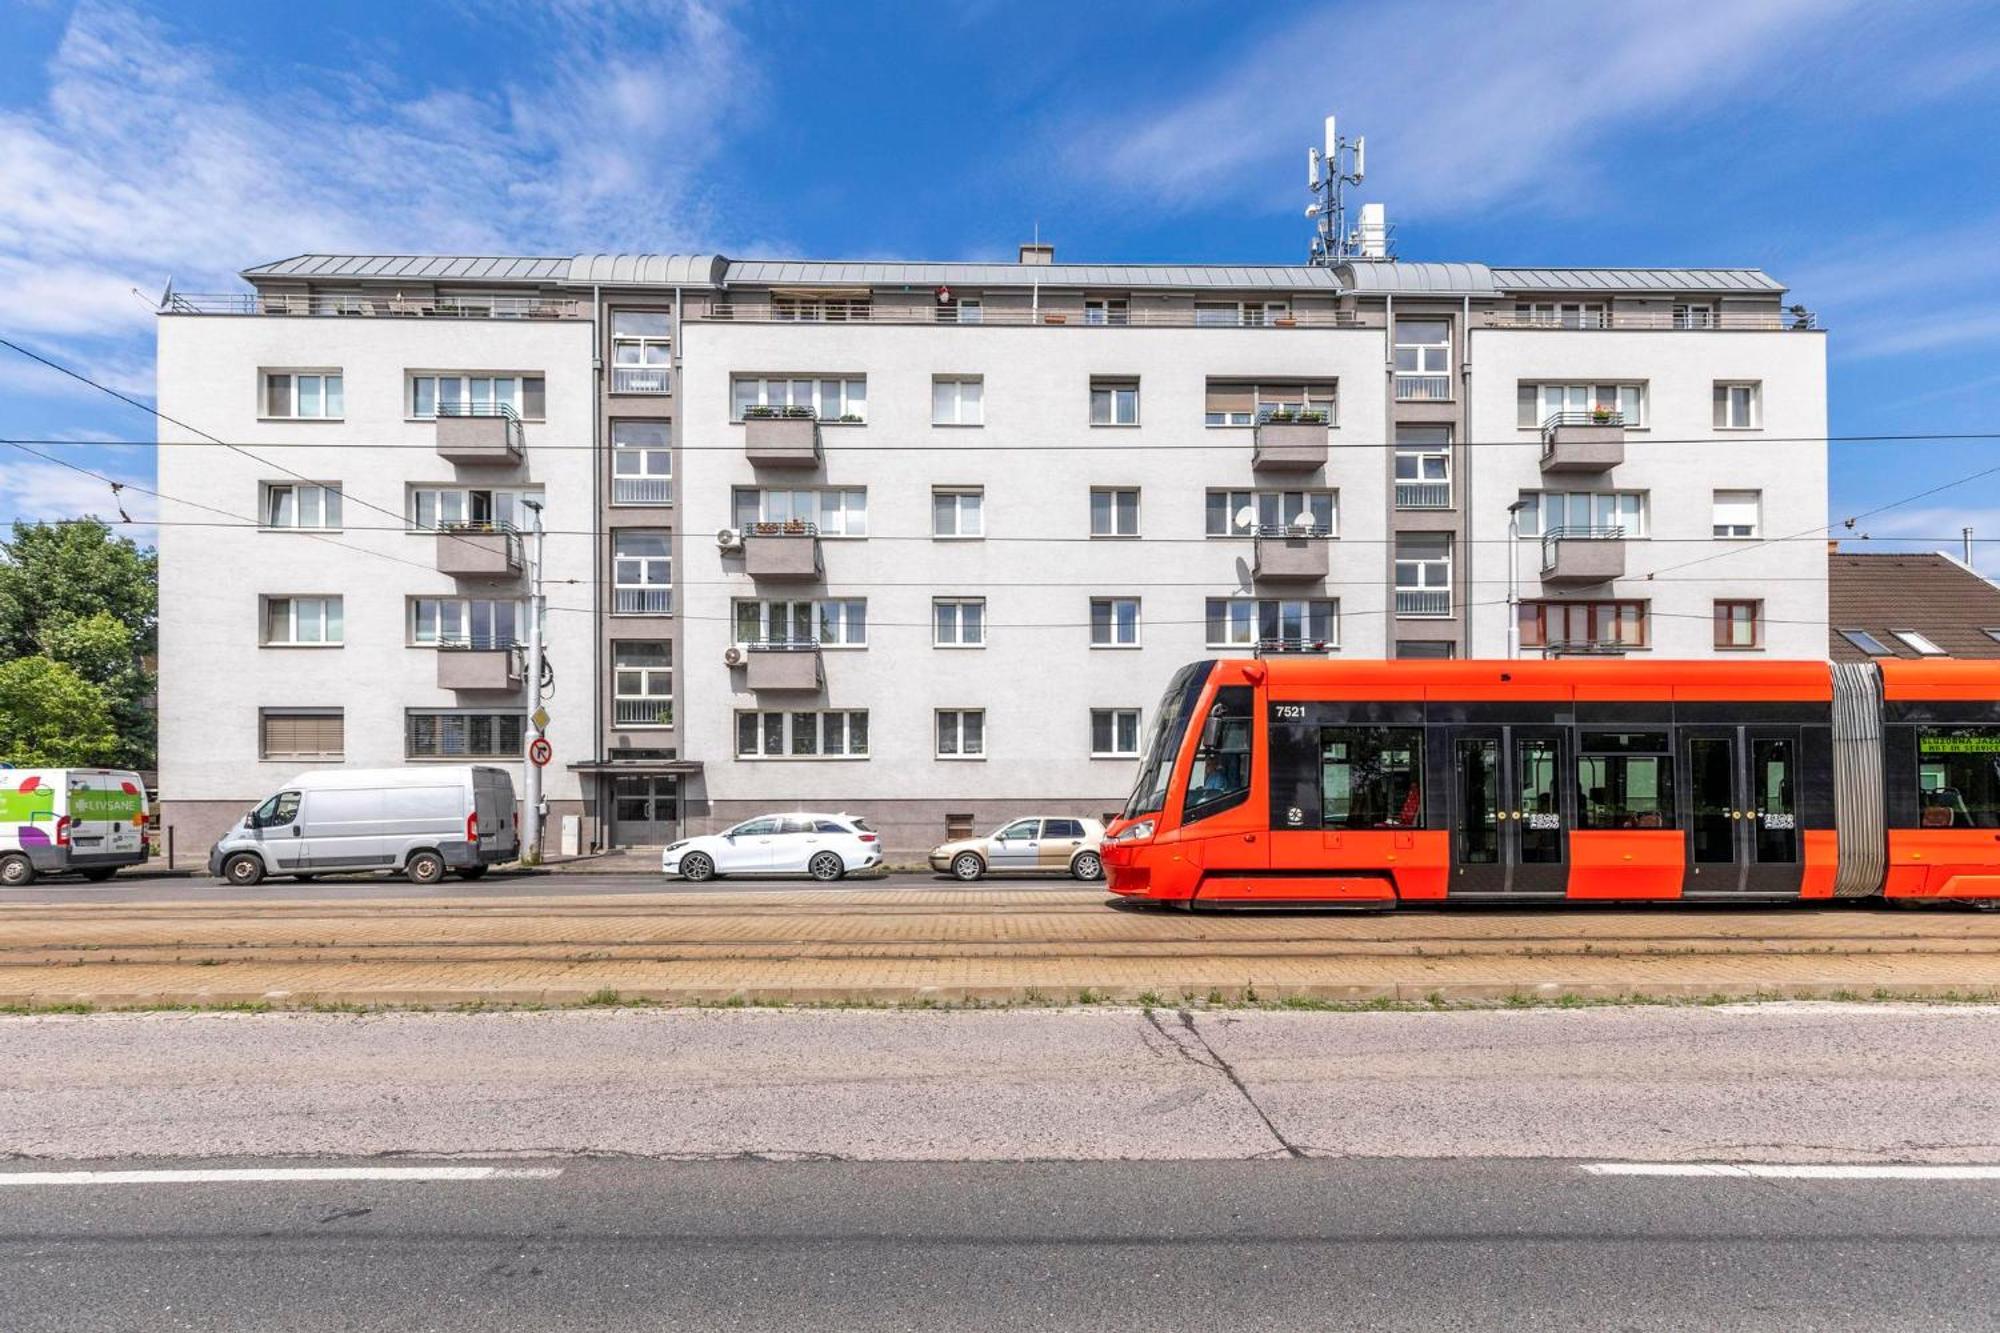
{"x":1135,"y":833}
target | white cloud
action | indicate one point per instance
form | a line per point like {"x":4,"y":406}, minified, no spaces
{"x":37,"y":491}
{"x":1931,"y":528}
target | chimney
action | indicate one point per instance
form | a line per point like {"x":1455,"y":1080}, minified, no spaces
{"x":1374,"y":231}
{"x":1034,"y":252}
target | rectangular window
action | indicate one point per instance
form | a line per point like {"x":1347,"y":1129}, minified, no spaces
{"x":1958,"y":777}
{"x":642,"y":463}
{"x":298,"y":622}
{"x":1423,"y":467}
{"x":1425,"y":650}
{"x":456,"y":735}
{"x":959,"y":622}
{"x":1739,"y":624}
{"x":302,"y":505}
{"x":838,"y":622}
{"x":830,"y":398}
{"x":1106,"y":310}
{"x":1114,"y":402}
{"x":1114,"y":622}
{"x":642,"y":676}
{"x":1423,"y":573}
{"x":465,"y":395}
{"x":1114,"y":733}
{"x":830,"y":513}
{"x":832,"y":734}
{"x":642,"y":573}
{"x":1274,"y":625}
{"x":1693,"y":315}
{"x":1583,"y":513}
{"x":1736,"y":513}
{"x":299,"y":733}
{"x":313,"y":395}
{"x":1625,"y":780}
{"x":1114,"y":512}
{"x":1371,"y":777}
{"x":1248,"y":402}
{"x":467,"y":622}
{"x":1919,"y":643}
{"x":855,"y":307}
{"x":1423,"y":360}
{"x":1248,"y":513}
{"x":1867,"y":643}
{"x":1562,"y":314}
{"x":961,"y":733}
{"x":958,"y":400}
{"x":1583,"y":626}
{"x":958,"y":513}
{"x":642,"y":351}
{"x":1739,"y":406}
{"x":485,"y":510}
{"x":1607,"y":404}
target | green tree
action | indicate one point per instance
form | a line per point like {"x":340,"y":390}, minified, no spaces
{"x":50,"y":716}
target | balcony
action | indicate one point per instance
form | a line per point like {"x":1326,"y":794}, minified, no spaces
{"x":782,"y":664}
{"x":478,"y":664}
{"x":642,"y":712}
{"x":787,"y":438}
{"x":862,"y":311}
{"x":642,"y":379}
{"x":1583,"y":555}
{"x":372,"y":304}
{"x":473,"y":550}
{"x":782,"y":551}
{"x":478,"y":433}
{"x":1423,"y":495}
{"x":1423,"y":603}
{"x":1293,"y":554}
{"x":1291,"y":441}
{"x":1769,"y":319}
{"x":1423,"y":388}
{"x":1583,"y":441}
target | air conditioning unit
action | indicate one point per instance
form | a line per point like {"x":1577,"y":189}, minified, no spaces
{"x":729,"y":539}
{"x":735,"y":654}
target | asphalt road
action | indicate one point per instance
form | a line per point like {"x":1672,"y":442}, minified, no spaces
{"x":1160,"y":1246}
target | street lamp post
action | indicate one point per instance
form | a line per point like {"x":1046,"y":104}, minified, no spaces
{"x":1514,"y":578}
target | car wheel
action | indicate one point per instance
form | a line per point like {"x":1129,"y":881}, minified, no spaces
{"x":424,"y":868}
{"x":470,"y":872}
{"x":16,"y":871}
{"x":968,"y":866}
{"x":98,"y":874}
{"x":696,"y":867}
{"x":244,"y":870}
{"x":827,"y":866}
{"x":1087,"y":865}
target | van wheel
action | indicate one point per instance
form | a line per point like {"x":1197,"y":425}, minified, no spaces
{"x":424,"y":868}
{"x":16,"y":871}
{"x":470,"y":872}
{"x":244,"y":870}
{"x":826,"y":867}
{"x":1087,"y":866}
{"x":696,"y":867}
{"x":968,"y":866}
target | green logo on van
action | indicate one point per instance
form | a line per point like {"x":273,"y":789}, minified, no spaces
{"x":94,"y":805}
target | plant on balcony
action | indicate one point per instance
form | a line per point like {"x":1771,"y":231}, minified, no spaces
{"x":768,"y":529}
{"x":759,"y":413}
{"x":1280,"y":416}
{"x":849,"y":418}
{"x":1601,"y":415}
{"x":1312,"y":416}
{"x":797,"y":413}
{"x":795,"y":527}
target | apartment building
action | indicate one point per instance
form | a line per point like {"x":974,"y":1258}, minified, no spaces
{"x":925,"y":541}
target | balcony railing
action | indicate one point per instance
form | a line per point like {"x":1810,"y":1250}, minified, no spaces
{"x":642,"y":490}
{"x":1553,"y":539}
{"x":1273,"y":531}
{"x":1557,"y":420}
{"x":1423,"y":388}
{"x":642,"y":601}
{"x":1423,"y":601}
{"x":371,"y":304}
{"x":1266,"y":647}
{"x":476,"y":643}
{"x":479,"y":432}
{"x":1794,"y":317}
{"x":642,"y":712}
{"x":789,"y":527}
{"x":1423,"y":495}
{"x":641,"y":379}
{"x":759,"y":312}
{"x":782,"y":645}
{"x":1583,"y":647}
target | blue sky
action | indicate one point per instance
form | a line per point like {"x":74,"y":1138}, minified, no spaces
{"x":1851,"y":149}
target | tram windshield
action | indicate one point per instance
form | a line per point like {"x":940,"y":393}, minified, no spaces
{"x":1170,"y":719}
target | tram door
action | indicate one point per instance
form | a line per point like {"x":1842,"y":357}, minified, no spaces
{"x":1510,"y":811}
{"x":1742,"y":809}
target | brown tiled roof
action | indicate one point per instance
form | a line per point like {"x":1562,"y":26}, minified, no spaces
{"x":1932,"y":594}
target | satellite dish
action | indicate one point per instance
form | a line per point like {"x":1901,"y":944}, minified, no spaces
{"x":1246,"y":518}
{"x":1304,"y":521}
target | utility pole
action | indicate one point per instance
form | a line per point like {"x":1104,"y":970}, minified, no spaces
{"x":1514,"y":579}
{"x":538,"y":718}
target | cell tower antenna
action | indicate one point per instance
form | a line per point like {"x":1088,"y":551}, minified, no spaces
{"x":1330,"y":169}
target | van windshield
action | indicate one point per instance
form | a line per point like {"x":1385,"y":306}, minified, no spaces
{"x":1170,"y":719}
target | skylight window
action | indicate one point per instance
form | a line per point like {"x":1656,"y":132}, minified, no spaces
{"x":1918,"y":643}
{"x":1867,"y":643}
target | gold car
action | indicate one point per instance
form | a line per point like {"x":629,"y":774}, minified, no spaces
{"x":1036,"y":845}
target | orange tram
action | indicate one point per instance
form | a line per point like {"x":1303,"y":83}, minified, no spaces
{"x":1310,"y":783}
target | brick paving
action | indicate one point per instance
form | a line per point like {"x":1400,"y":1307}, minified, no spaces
{"x":865,"y":945}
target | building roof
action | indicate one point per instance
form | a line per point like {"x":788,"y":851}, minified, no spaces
{"x":1747,"y":281}
{"x":891,"y":273}
{"x":646,"y":270}
{"x":1932,"y":594}
{"x":417,"y":268}
{"x":1394,"y":277}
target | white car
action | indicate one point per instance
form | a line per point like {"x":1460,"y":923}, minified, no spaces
{"x":822,"y":846}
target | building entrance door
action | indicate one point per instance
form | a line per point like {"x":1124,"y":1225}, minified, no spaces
{"x":645,"y":810}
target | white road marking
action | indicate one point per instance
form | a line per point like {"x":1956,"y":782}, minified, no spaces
{"x":1795,"y":1171}
{"x":278,"y":1175}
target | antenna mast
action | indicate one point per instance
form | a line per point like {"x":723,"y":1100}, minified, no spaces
{"x":1329,"y":171}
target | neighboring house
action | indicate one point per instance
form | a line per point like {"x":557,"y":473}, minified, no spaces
{"x":1909,"y":605}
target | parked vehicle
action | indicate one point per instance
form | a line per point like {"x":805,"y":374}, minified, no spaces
{"x":420,"y":821}
{"x":1036,"y":845}
{"x":822,"y":846}
{"x":52,"y":820}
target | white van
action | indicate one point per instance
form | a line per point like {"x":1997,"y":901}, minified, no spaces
{"x":420,"y":821}
{"x":90,"y":820}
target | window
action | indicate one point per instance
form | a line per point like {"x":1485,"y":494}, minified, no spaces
{"x":642,"y":463}
{"x":1114,"y":513}
{"x":1958,"y":777}
{"x":456,"y":735}
{"x":1430,"y":650}
{"x":477,"y":395}
{"x":958,"y":400}
{"x":1992,"y":633}
{"x":301,"y":733}
{"x":828,"y":398}
{"x":1562,"y":314}
{"x":642,"y":351}
{"x":1234,"y":314}
{"x":455,"y":507}
{"x":1918,"y":643}
{"x":297,"y":622}
{"x":1114,"y":402}
{"x":1423,"y":573}
{"x":1246,"y":513}
{"x":1423,"y":467}
{"x":1693,"y":315}
{"x":958,"y":513}
{"x":1579,"y":404}
{"x":642,"y":573}
{"x":467,"y":622}
{"x":1736,"y":513}
{"x":832,"y":513}
{"x":642,"y":675}
{"x":1293,"y":625}
{"x":832,"y":734}
{"x":306,"y":395}
{"x":1867,"y":643}
{"x":838,"y":622}
{"x":1625,"y":780}
{"x":1245,"y":403}
{"x":1583,"y":513}
{"x":1583,"y":626}
{"x":1114,"y":622}
{"x":1114,"y":733}
{"x":1739,"y":624}
{"x":1219,"y":777}
{"x":301,"y":506}
{"x":809,"y":310}
{"x":1371,"y":777}
{"x":961,"y":733}
{"x":1106,"y":310}
{"x":1739,"y":406}
{"x":959,"y":622}
{"x":959,"y":309}
{"x":1423,"y":360}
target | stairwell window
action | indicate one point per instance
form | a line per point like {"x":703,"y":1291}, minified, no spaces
{"x":958,"y":400}
{"x":302,"y":505}
{"x":1114,"y":402}
{"x":1739,"y":406}
{"x":642,"y":672}
{"x":642,"y":463}
{"x":303,"y":622}
{"x":1423,"y":573}
{"x":642,"y":351}
{"x":1423,"y":360}
{"x":642,"y":574}
{"x":304,"y":395}
{"x":958,"y":622}
{"x":961,"y":733}
{"x":1423,"y":467}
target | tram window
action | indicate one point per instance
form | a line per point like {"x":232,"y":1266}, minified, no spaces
{"x":1371,"y":777}
{"x":1219,"y":778}
{"x":1958,"y":776}
{"x":1626,"y":779}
